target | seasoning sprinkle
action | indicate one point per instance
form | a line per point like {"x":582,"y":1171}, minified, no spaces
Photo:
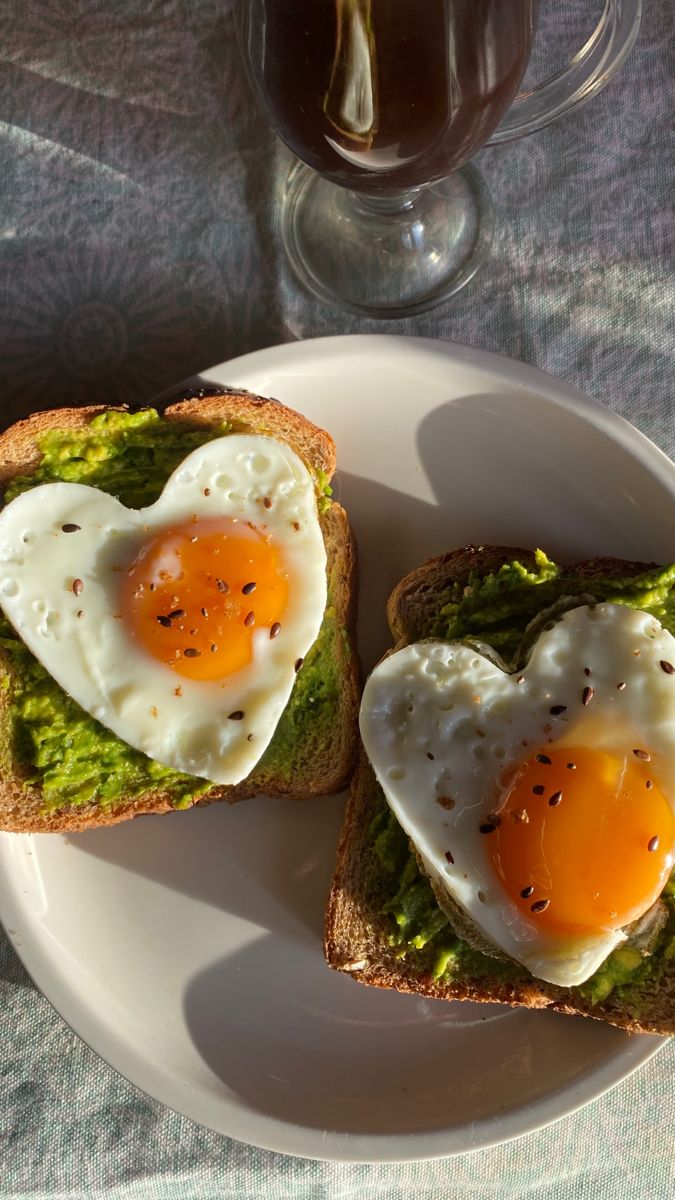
{"x":527,"y":891}
{"x":667,"y":667}
{"x":237,"y":715}
{"x":520,"y":815}
{"x":588,"y":695}
{"x":298,"y":664}
{"x":80,"y":612}
{"x":275,"y":629}
{"x":487,"y":827}
{"x":653,"y":843}
{"x":249,"y":619}
{"x":557,"y":709}
{"x":571,"y":766}
{"x":449,"y":857}
{"x":296,"y":525}
{"x":520,"y":679}
{"x":178,"y":691}
{"x":207,"y":491}
{"x":555,"y":799}
{"x":249,"y":737}
{"x":620,"y":687}
{"x":213,"y":647}
{"x":70,"y":527}
{"x":247,"y":589}
{"x":77,"y":587}
{"x":538,"y":789}
{"x":648,"y":784}
{"x":587,"y":672}
{"x":543,"y":758}
{"x":446,"y":802}
{"x":192,"y":652}
{"x":222,"y":586}
{"x":267,"y":502}
{"x":643,"y":755}
{"x":539,"y":906}
{"x":204,"y":612}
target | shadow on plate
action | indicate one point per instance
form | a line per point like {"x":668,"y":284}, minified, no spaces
{"x":298,"y":1042}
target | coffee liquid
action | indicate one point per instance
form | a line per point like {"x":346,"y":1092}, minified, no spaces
{"x":385,"y":94}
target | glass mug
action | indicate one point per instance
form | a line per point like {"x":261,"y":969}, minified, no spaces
{"x":384,"y":102}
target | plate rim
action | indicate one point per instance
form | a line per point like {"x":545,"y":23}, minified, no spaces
{"x":637,"y":1049}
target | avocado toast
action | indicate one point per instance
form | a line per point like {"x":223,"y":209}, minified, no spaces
{"x":62,"y":769}
{"x":384,"y":925}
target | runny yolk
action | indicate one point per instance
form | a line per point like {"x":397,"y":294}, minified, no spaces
{"x":195,"y":594}
{"x":584,"y":840}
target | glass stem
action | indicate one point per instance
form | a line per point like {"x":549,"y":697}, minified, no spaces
{"x":390,"y":205}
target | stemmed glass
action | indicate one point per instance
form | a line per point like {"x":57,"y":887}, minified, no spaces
{"x":384,"y":102}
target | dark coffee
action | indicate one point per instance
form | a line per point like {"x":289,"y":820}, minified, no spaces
{"x":386,"y":94}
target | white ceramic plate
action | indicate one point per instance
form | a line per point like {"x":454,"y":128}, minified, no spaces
{"x":186,"y":948}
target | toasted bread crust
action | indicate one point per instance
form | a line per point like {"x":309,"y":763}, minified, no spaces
{"x":356,"y":934}
{"x":323,"y":769}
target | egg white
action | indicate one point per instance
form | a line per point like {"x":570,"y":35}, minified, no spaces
{"x":94,"y":658}
{"x":442,"y":721}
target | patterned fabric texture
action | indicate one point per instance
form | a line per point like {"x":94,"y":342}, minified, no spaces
{"x":139,"y":199}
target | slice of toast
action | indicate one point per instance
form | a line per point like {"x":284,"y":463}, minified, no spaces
{"x":361,"y":936}
{"x":319,"y":762}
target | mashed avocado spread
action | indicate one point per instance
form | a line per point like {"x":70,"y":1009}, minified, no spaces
{"x":73,"y":758}
{"x":497,"y":609}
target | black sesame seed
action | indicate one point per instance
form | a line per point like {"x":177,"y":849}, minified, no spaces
{"x":177,"y":612}
{"x":449,"y":857}
{"x":538,"y":789}
{"x":555,"y":799}
{"x":571,"y":766}
{"x":487,"y":827}
{"x":77,"y":587}
{"x":643,"y":755}
{"x":543,"y":758}
{"x":587,"y":696}
{"x":430,"y":755}
{"x":298,"y":664}
{"x":222,"y":586}
{"x":667,"y":667}
{"x":648,"y":784}
{"x":275,"y":629}
{"x":539,"y":906}
{"x":204,"y":612}
{"x":557,"y":709}
{"x":249,"y":619}
{"x":80,"y":612}
{"x":213,"y":647}
{"x":152,"y":587}
{"x":237,"y":715}
{"x":520,"y":679}
{"x":620,"y":687}
{"x":587,"y":671}
{"x":165,"y":621}
{"x":267,"y":502}
{"x":527,"y":891}
{"x":69,"y":527}
{"x":207,"y":491}
{"x":249,"y":737}
{"x":653,"y":843}
{"x":247,"y":589}
{"x":191,"y":652}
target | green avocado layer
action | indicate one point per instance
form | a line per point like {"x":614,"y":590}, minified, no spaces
{"x":497,"y":609}
{"x":73,"y":758}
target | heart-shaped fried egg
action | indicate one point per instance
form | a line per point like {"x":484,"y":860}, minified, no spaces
{"x":180,"y":626}
{"x":542,"y":802}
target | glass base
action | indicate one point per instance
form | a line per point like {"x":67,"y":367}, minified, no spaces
{"x":386,"y":256}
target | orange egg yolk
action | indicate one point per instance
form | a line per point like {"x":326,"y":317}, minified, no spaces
{"x":195,"y":594}
{"x":584,"y":839}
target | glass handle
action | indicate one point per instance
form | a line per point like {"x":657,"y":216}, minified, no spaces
{"x":588,"y":72}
